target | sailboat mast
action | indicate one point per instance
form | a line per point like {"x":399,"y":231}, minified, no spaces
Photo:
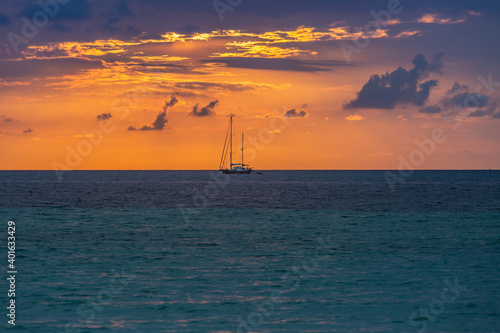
{"x":242,"y":149}
{"x":231,"y":143}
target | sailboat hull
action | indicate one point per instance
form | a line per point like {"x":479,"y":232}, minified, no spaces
{"x":235,"y":172}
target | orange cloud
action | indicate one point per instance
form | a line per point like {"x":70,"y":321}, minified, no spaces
{"x":5,"y":83}
{"x":393,"y":22}
{"x":406,"y":34}
{"x":433,"y":18}
{"x":252,"y":49}
{"x":354,"y":117}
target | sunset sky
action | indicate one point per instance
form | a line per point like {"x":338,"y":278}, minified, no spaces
{"x":313,"y":84}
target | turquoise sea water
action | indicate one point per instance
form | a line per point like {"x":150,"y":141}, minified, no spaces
{"x":282,"y":252}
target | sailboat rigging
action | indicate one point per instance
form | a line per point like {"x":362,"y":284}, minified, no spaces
{"x":234,"y":168}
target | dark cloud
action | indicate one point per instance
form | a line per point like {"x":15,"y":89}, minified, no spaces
{"x":466,"y":100}
{"x":277,"y":8}
{"x":72,"y":10}
{"x":27,"y":131}
{"x":479,"y":113}
{"x":104,"y":116}
{"x":256,"y":13}
{"x":198,"y":85}
{"x":118,"y":12}
{"x":457,"y":87}
{"x":171,"y":103}
{"x":6,"y":119}
{"x":169,"y":68}
{"x":400,"y":86}
{"x":59,"y":27}
{"x":278,"y":64}
{"x":188,"y":16}
{"x":161,"y":118}
{"x":158,"y":124}
{"x":280,"y":7}
{"x":430,"y":109}
{"x":203,"y":90}
{"x":294,"y":114}
{"x":422,"y":95}
{"x":489,"y":111}
{"x":189,"y":28}
{"x":146,"y":36}
{"x":459,"y":97}
{"x":123,"y":9}
{"x":4,"y":20}
{"x":51,"y":53}
{"x":192,"y":6}
{"x":205,"y":111}
{"x":180,"y":93}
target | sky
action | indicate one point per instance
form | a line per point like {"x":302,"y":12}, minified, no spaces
{"x":129,"y":84}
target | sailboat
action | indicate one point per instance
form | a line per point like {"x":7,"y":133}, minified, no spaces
{"x":234,"y":168}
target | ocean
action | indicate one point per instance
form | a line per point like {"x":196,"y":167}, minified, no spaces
{"x":283,"y":251}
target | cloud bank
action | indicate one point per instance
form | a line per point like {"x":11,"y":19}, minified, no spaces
{"x":104,"y":116}
{"x":204,"y":111}
{"x":294,"y":114}
{"x":460,"y":98}
{"x":400,"y":86}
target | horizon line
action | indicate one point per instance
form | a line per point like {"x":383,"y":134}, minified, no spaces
{"x":396,"y":170}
